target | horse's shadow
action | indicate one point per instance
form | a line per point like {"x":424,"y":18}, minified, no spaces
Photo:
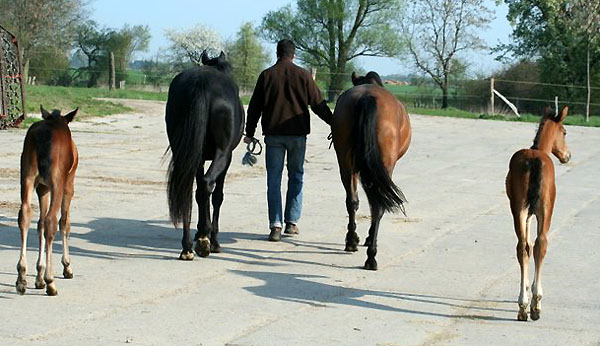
{"x":304,"y":289}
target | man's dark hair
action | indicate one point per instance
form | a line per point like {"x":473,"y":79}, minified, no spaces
{"x":286,"y":48}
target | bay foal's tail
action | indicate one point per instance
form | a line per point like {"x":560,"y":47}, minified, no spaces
{"x":535,"y":182}
{"x":186,"y":128}
{"x":381,"y":191}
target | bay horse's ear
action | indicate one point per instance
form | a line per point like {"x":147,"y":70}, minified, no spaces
{"x":354,"y":78}
{"x":560,"y":117}
{"x":45,"y":114}
{"x":69,"y":117}
{"x":205,"y":58}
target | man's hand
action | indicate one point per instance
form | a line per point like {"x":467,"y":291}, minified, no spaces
{"x":247,"y":140}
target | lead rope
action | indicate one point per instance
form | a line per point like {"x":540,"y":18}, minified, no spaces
{"x":249,"y":158}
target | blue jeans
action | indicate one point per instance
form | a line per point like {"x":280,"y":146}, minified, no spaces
{"x":276,"y":148}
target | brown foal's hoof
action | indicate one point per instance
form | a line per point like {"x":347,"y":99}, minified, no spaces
{"x":202,"y":247}
{"x":522,"y":315}
{"x":21,"y":287}
{"x":51,"y":289}
{"x":535,"y":314}
{"x":186,"y":255}
{"x":68,"y":273}
{"x":40,"y":284}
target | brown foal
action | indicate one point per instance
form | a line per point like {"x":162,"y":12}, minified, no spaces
{"x":48,"y":165}
{"x":531,"y":190}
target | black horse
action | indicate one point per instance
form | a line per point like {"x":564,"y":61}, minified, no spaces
{"x":205,"y":120}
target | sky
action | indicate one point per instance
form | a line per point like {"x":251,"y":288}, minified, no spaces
{"x":226,"y":17}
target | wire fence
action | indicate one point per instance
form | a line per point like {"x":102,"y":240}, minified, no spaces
{"x":469,"y":95}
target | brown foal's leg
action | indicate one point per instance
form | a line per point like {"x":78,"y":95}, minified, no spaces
{"x":51,"y":228}
{"x":521,"y":223}
{"x":539,"y":251}
{"x":65,"y":229}
{"x":24,"y":221}
{"x":44,"y":198}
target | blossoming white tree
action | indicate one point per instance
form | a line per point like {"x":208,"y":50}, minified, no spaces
{"x":190,"y":43}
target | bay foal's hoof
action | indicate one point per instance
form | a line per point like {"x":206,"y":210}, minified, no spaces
{"x":522,"y":315}
{"x":215,"y":247}
{"x":68,"y":273}
{"x":51,"y":289}
{"x":40,"y":283}
{"x":371,"y":264}
{"x":186,"y":255}
{"x":202,"y":247}
{"x":21,"y":287}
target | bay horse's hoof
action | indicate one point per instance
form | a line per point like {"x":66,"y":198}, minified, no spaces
{"x":21,"y":287}
{"x":215,"y":247}
{"x":351,"y":247}
{"x":186,"y":255}
{"x":51,"y":289}
{"x":68,"y":273}
{"x":202,"y":247}
{"x":40,"y":283}
{"x":371,"y":264}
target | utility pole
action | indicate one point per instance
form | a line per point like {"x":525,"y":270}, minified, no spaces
{"x":111,"y":72}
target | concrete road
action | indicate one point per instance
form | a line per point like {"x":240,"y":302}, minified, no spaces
{"x":448,"y":273}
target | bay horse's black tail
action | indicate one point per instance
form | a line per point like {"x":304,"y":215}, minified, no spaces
{"x":535,"y":183}
{"x":186,"y":128}
{"x":381,"y":191}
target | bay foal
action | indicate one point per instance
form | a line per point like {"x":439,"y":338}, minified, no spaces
{"x":48,"y":165}
{"x":531,"y":190}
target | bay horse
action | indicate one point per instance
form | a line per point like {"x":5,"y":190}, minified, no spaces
{"x":371,"y":132}
{"x":531,"y":190}
{"x":48,"y":164}
{"x":204,"y":119}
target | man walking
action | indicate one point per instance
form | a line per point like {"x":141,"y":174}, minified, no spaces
{"x":282,"y":95}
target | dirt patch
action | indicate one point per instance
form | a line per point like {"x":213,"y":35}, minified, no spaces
{"x":10,"y":173}
{"x":124,"y":181}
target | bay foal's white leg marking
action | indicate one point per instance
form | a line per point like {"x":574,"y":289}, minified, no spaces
{"x":65,"y":230}
{"x":51,"y":229}
{"x":522,"y":223}
{"x":24,"y":222}
{"x":44,"y":198}
{"x":539,"y":251}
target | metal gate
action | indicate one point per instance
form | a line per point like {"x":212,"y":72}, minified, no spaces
{"x":12,"y":94}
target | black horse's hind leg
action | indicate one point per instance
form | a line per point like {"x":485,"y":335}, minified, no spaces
{"x":350,"y":184}
{"x":376,"y":214}
{"x":204,"y":224}
{"x":217,"y":201}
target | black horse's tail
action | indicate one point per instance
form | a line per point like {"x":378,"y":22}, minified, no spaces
{"x":186,"y":129}
{"x":381,"y":191}
{"x":535,"y":183}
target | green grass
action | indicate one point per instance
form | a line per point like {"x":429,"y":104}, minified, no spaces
{"x":65,"y":99}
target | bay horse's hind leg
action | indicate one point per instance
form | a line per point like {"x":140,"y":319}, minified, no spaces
{"x":24,"y":222}
{"x":217,"y":201}
{"x":539,"y":251}
{"x":521,"y":222}
{"x":65,"y":228}
{"x":376,"y":215}
{"x":44,"y":199}
{"x":350,"y":181}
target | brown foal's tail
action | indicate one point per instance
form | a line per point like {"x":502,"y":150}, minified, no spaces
{"x":535,"y":182}
{"x":381,"y":191}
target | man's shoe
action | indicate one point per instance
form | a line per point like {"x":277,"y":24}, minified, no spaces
{"x":291,"y":229}
{"x":275,"y":234}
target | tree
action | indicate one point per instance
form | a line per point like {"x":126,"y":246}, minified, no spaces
{"x":330,"y":33}
{"x":437,"y":31}
{"x":39,"y":24}
{"x":247,"y":57}
{"x":91,"y":41}
{"x":188,"y":45}
{"x":124,"y":43}
{"x":562,"y":35}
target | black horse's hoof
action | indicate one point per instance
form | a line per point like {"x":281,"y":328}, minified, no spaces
{"x":367,"y":242}
{"x":371,"y":264}
{"x":215,"y":247}
{"x":351,"y":247}
{"x":202,"y":247}
{"x":186,"y":255}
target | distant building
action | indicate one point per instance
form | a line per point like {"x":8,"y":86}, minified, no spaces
{"x":395,"y":82}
